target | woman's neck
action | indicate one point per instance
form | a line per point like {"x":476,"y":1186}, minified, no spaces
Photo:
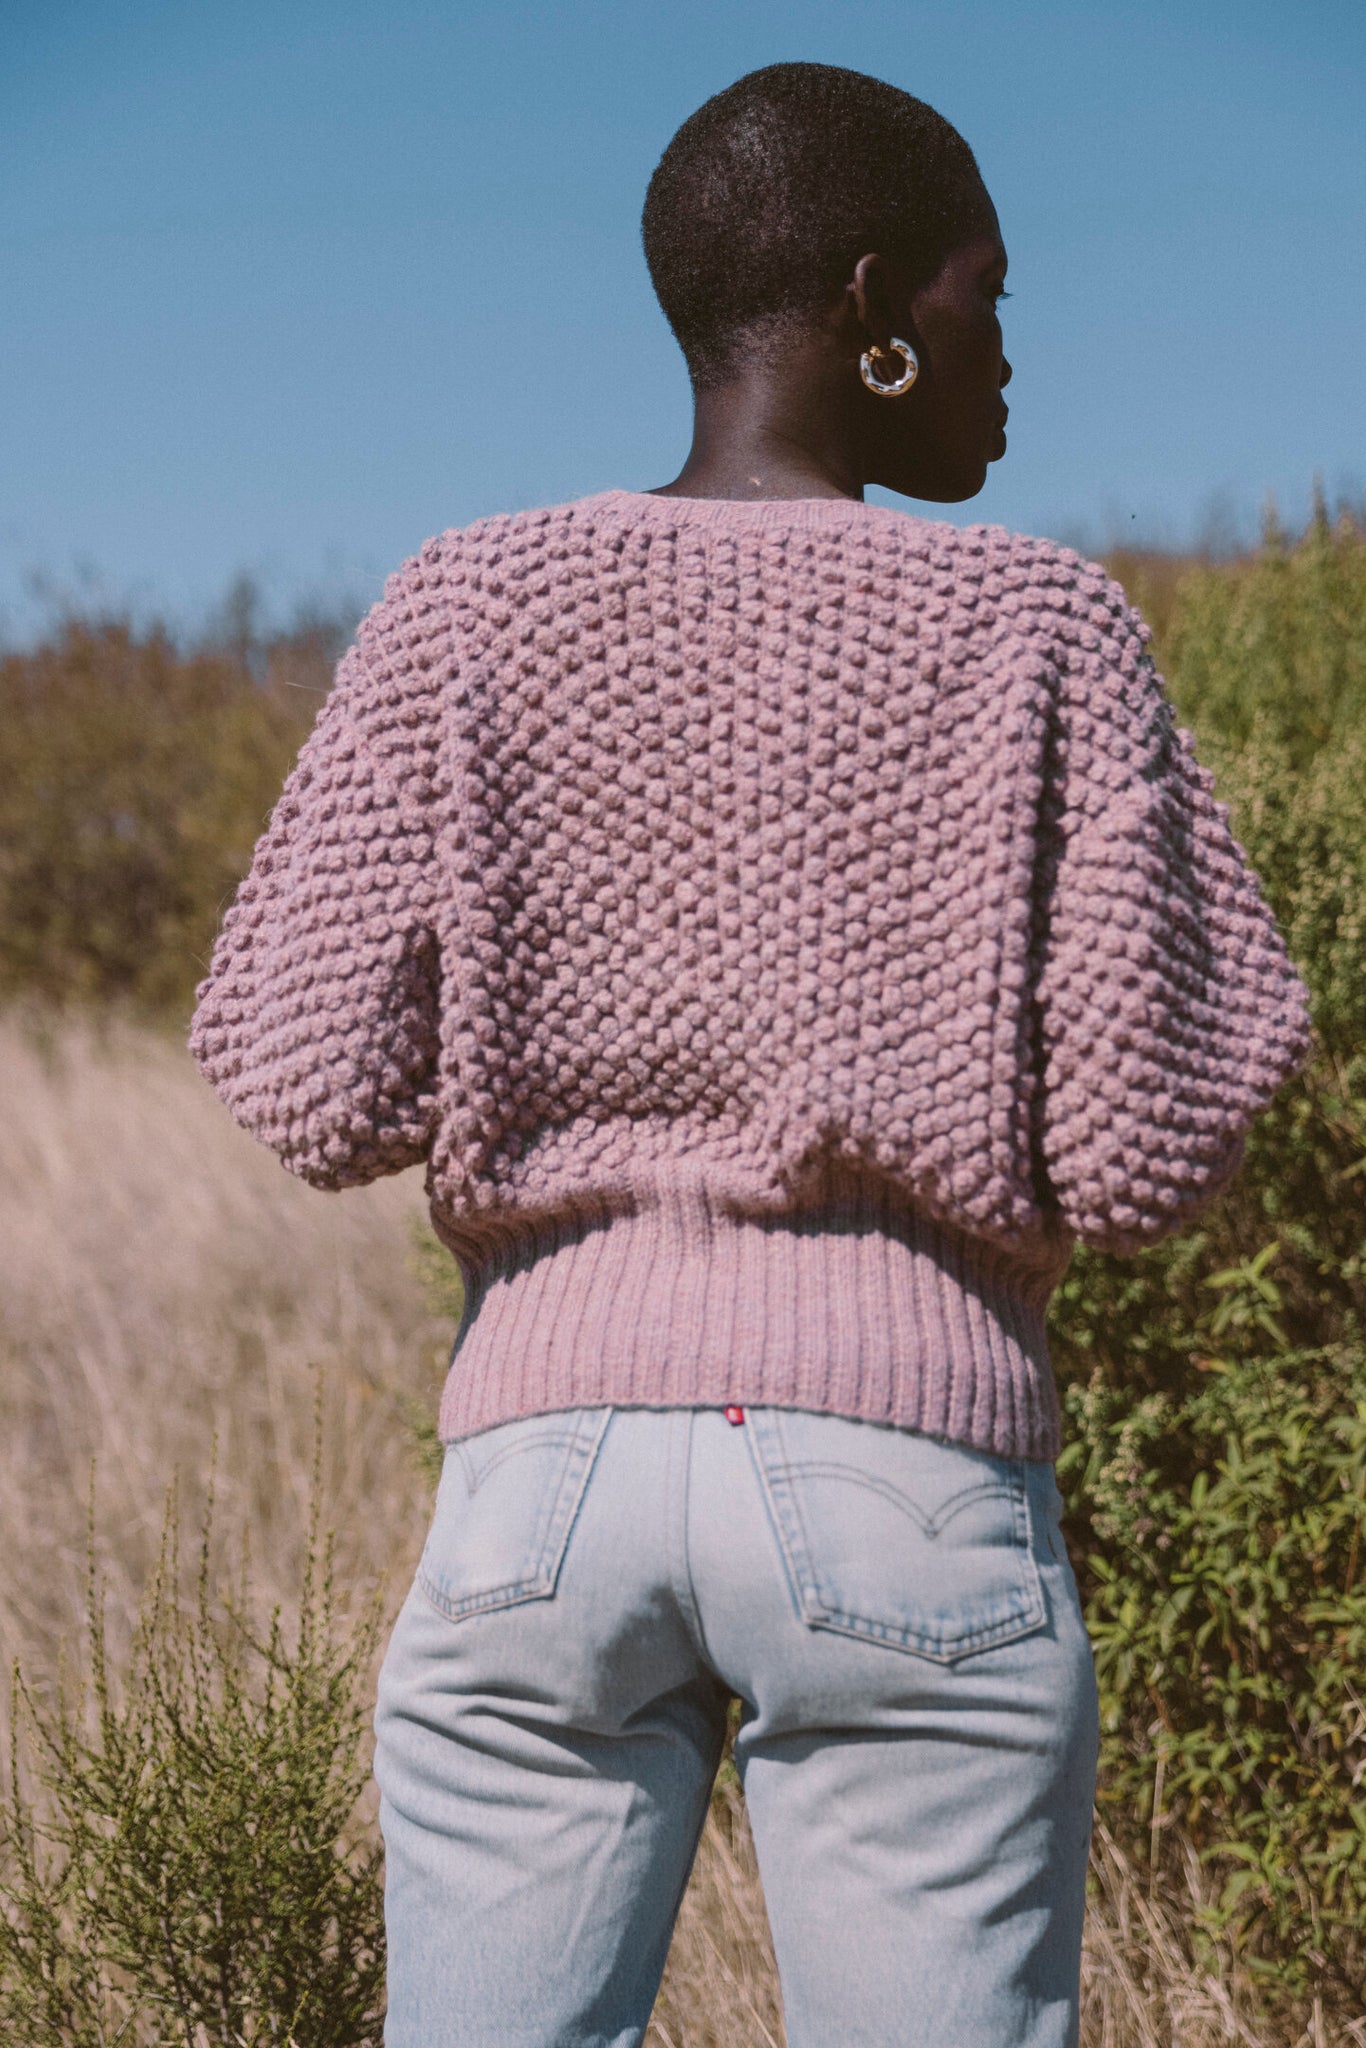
{"x":752,"y":441}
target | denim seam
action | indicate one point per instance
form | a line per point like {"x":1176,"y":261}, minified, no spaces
{"x":815,"y":1612}
{"x":537,"y":1582}
{"x":775,"y":1515}
{"x":685,"y":1591}
{"x":529,"y":1581}
{"x":678,"y":1454}
{"x":930,"y":1526}
{"x":993,"y":1637}
{"x":475,"y":1475}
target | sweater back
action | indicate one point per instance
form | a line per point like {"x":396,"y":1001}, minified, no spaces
{"x":782,"y":928}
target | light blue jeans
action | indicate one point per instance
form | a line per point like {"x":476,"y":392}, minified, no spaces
{"x":917,"y":1745}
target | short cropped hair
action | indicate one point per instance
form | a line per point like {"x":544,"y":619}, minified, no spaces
{"x":767,"y":196}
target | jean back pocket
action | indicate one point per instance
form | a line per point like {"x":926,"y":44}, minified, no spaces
{"x":897,"y":1538}
{"x":504,"y":1510}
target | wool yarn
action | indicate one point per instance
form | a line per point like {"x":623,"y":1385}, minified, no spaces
{"x":783,"y":929}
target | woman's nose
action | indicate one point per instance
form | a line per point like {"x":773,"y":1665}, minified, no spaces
{"x":1006,"y":373}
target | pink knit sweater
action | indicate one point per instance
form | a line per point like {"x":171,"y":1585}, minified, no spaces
{"x":782,"y":929}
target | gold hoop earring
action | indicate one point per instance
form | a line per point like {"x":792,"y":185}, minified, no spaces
{"x":903,"y":382}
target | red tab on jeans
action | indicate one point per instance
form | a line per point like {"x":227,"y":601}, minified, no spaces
{"x":734,"y":1413}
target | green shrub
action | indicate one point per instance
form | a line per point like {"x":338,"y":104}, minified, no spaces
{"x":1276,"y":640}
{"x":1301,"y":815}
{"x":181,"y":1859}
{"x":133,"y":784}
{"x":1215,"y":1388}
{"x":1226,"y":1598}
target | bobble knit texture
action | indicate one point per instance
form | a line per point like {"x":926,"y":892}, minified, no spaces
{"x":782,"y":929}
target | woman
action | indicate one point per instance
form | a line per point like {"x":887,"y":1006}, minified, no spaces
{"x":784,"y":927}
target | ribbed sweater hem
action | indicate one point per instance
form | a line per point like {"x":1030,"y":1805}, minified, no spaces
{"x":866,"y":1309}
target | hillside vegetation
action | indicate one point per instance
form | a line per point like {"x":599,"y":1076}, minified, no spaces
{"x":161,"y":1282}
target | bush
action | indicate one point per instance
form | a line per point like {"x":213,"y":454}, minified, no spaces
{"x":182,"y":1860}
{"x":1226,"y":1598}
{"x":133,"y":786}
{"x":1275,"y":641}
{"x":1215,"y":1387}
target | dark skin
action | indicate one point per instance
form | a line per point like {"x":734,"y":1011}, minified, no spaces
{"x":799,"y":422}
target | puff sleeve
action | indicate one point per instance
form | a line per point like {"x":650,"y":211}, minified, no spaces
{"x":1168,"y":1012}
{"x":318,"y":1021}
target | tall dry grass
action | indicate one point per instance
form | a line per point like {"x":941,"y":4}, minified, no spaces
{"x":165,"y":1288}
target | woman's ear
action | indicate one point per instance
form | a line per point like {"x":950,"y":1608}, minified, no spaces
{"x":870,"y":302}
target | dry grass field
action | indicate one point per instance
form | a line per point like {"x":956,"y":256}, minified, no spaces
{"x":170,"y":1300}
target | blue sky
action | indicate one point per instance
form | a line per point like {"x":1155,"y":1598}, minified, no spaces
{"x":290,"y":286}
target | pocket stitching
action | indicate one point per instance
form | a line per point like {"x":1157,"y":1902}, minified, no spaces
{"x":932,"y":1648}
{"x":931,"y":1527}
{"x":540,"y":1584}
{"x":476,"y":1475}
{"x":815,"y":1612}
